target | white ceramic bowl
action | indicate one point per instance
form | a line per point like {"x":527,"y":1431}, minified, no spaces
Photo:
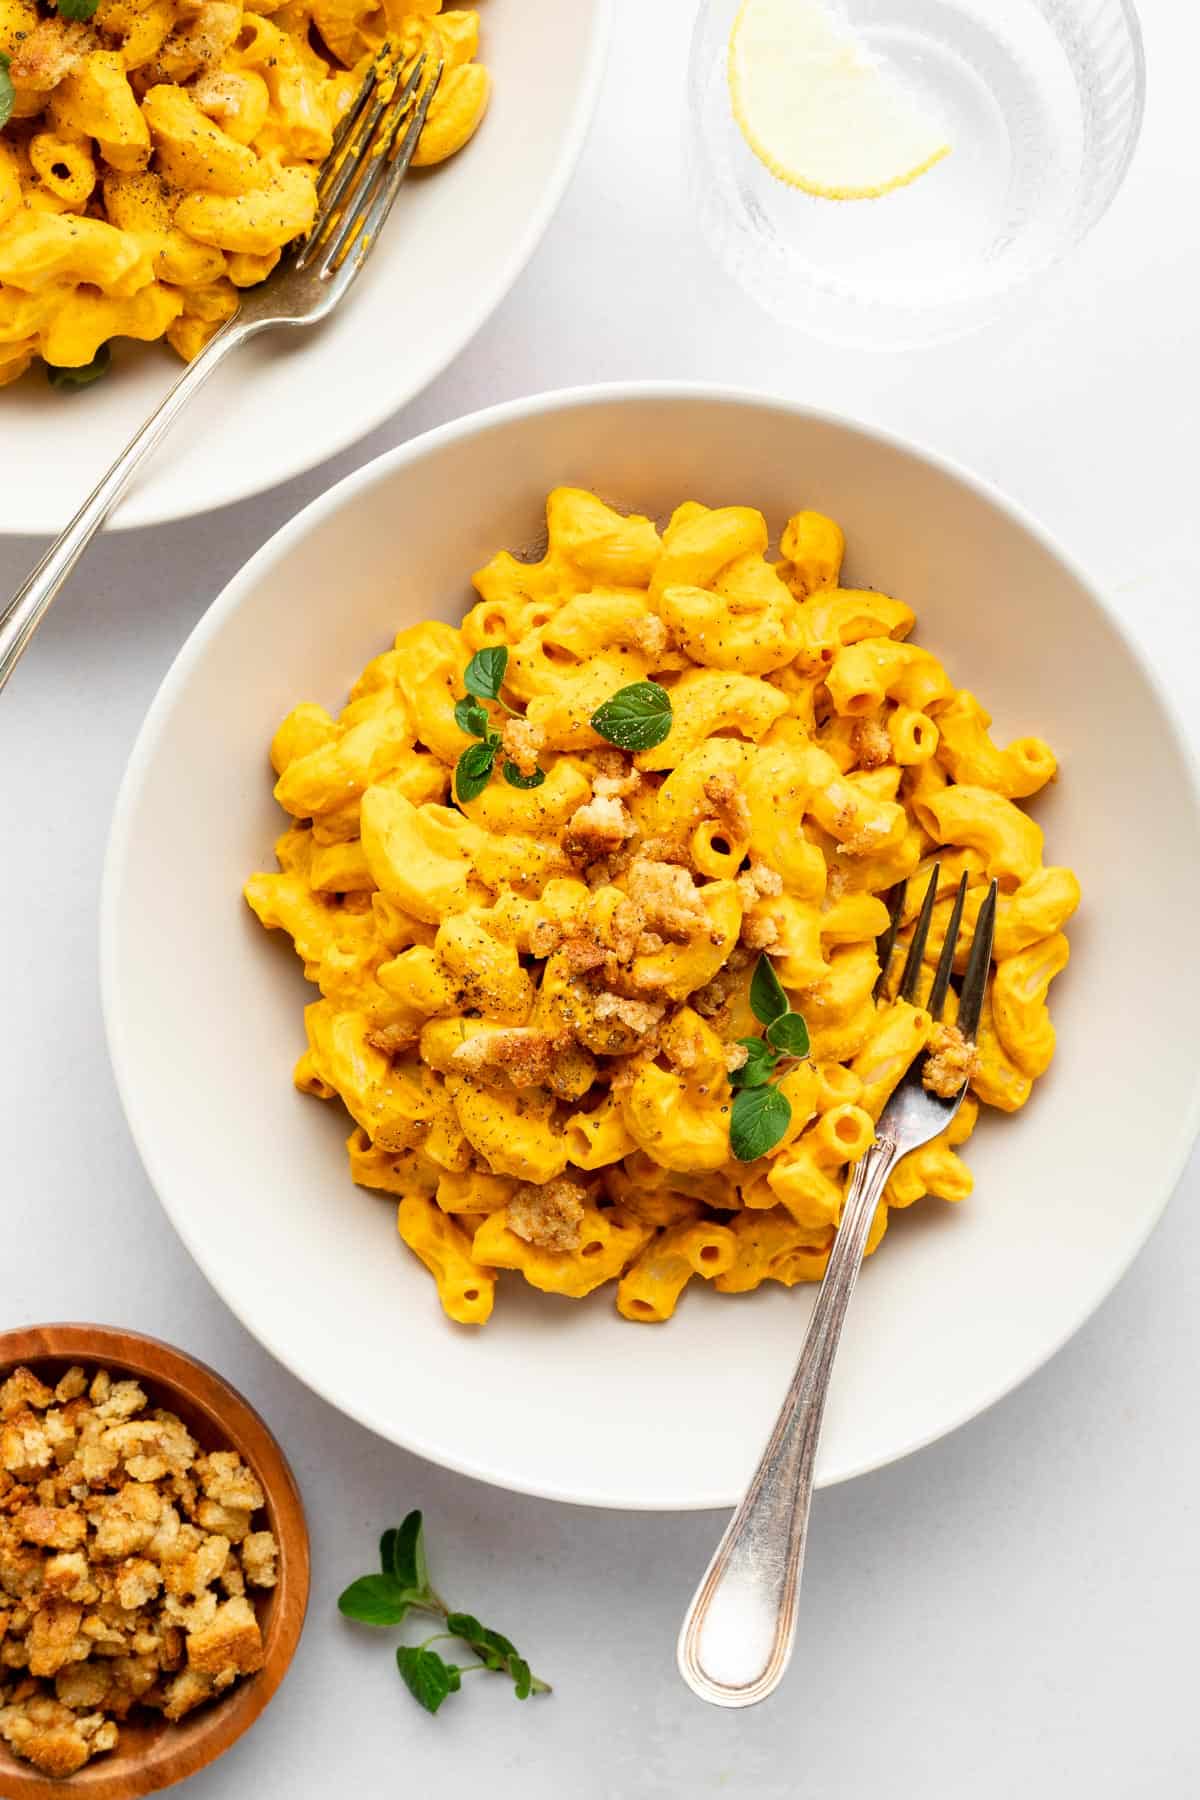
{"x":456,"y":242}
{"x":563,"y":1399}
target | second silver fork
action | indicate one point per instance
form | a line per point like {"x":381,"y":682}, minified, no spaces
{"x":737,"y":1636}
{"x":372,"y":150}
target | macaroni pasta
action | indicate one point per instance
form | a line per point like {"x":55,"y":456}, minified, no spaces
{"x":160,"y":153}
{"x":531,"y":1001}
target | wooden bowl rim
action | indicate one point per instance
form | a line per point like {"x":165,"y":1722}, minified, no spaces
{"x":170,"y":1369}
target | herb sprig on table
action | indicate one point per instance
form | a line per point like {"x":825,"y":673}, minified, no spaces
{"x":762,"y":1113}
{"x":403,"y":1586}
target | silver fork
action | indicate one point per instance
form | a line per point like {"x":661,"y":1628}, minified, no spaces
{"x":737,"y":1635}
{"x":371,"y":152}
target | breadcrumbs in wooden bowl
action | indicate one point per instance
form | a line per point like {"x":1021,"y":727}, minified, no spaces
{"x":154,"y":1564}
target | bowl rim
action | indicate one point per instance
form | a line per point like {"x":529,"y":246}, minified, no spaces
{"x":281,"y":545}
{"x":168,"y":1370}
{"x":479,"y":303}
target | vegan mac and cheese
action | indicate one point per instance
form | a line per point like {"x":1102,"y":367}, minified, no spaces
{"x":538,"y":952}
{"x":156,"y":155}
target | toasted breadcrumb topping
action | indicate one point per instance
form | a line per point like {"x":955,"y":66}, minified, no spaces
{"x":870,"y":743}
{"x":550,"y":1216}
{"x":521,"y":1052}
{"x":125,"y":1552}
{"x":759,"y":932}
{"x":951,"y":1062}
{"x":392,"y":1040}
{"x":727,"y":804}
{"x":48,"y":54}
{"x":615,"y":775}
{"x":640,"y":1016}
{"x":545,"y":936}
{"x":523,"y":742}
{"x":767,"y":882}
{"x":736,"y":1056}
{"x":668,"y":896}
{"x":597,"y":828}
{"x":860,"y":840}
{"x":650,"y":636}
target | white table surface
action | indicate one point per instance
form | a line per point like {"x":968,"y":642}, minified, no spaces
{"x":1011,"y":1610}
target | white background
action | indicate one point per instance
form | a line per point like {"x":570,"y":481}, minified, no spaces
{"x":1011,"y":1610}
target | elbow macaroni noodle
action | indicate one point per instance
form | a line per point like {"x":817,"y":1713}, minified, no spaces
{"x":530,"y":1002}
{"x":159,"y":156}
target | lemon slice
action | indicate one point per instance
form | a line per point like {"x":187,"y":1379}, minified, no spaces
{"x":818,"y":110}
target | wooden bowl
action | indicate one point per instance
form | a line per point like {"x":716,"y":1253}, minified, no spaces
{"x":152,"y":1752}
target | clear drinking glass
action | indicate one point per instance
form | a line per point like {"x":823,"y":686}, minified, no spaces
{"x":1041,"y":102}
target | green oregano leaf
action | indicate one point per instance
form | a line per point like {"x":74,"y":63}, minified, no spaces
{"x":759,"y":1118}
{"x":514,"y":777}
{"x":473,"y":770}
{"x":408,"y":1554}
{"x":768,"y":1001}
{"x":87,"y":372}
{"x":7,"y":91}
{"x":470,"y":717}
{"x":484,"y":674}
{"x":491,"y":1649}
{"x":759,"y":1065}
{"x":497,"y":1653}
{"x":375,"y":1600}
{"x":636,"y":718}
{"x":77,"y":9}
{"x":789,"y":1034}
{"x":427,"y":1676}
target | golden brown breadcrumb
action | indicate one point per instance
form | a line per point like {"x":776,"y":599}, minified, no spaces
{"x":597,"y":828}
{"x":951,"y":1062}
{"x":124,"y":1557}
{"x":615,"y":775}
{"x":761,"y":881}
{"x":46,"y":55}
{"x":523,"y":742}
{"x":759,"y":932}
{"x":640,"y":1016}
{"x":870,"y":743}
{"x":550,"y":1216}
{"x":392,"y":1040}
{"x":650,"y":636}
{"x":668,"y":897}
{"x":522,"y":1053}
{"x":726,"y":803}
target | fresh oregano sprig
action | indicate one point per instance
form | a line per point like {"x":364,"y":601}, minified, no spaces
{"x":403,"y":1586}
{"x":7,"y":92}
{"x":761,"y":1113}
{"x":483,"y":678}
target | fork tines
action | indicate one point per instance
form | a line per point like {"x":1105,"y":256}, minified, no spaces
{"x":372,"y":149}
{"x":978,"y":961}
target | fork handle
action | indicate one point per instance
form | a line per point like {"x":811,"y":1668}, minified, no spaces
{"x":738,"y":1632}
{"x":20,"y":618}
